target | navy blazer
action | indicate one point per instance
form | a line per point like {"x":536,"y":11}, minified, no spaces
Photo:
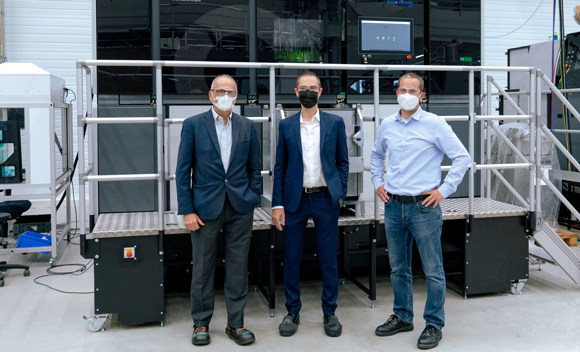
{"x":289,"y":169}
{"x":201,"y":180}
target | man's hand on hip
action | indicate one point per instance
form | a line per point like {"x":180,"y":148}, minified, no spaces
{"x":382,"y":193}
{"x":434,"y":197}
{"x":192,"y":222}
{"x":279,"y":218}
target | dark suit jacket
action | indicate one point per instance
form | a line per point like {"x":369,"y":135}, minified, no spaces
{"x":201,"y":180}
{"x":289,"y":170}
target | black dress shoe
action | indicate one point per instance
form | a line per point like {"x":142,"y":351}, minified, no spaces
{"x":289,"y":325}
{"x":393,"y":326}
{"x":241,"y":336}
{"x":200,"y":336}
{"x":429,"y":338}
{"x":332,"y":326}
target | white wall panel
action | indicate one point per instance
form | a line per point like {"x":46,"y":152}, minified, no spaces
{"x":52,"y":34}
{"x":514,"y":23}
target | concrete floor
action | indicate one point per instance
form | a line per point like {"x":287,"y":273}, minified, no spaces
{"x":545,"y":317}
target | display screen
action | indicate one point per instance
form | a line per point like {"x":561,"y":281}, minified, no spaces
{"x":386,"y":36}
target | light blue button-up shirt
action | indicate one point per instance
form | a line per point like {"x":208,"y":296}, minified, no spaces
{"x":224,"y":134}
{"x":416,"y":147}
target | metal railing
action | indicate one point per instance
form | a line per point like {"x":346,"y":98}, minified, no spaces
{"x":163,"y":124}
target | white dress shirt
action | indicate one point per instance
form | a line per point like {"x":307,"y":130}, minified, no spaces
{"x":310,"y":141}
{"x":224,"y":134}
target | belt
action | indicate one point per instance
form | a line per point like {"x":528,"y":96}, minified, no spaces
{"x":315,"y":189}
{"x":408,"y":199}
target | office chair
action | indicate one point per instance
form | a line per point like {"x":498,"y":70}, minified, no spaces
{"x":11,"y":210}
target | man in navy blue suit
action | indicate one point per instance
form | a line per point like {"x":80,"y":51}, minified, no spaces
{"x":218,"y":186}
{"x":310,"y":180}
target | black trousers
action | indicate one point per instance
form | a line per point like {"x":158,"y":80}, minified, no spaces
{"x":237,"y":233}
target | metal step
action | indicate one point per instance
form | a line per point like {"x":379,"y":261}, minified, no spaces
{"x":559,"y":251}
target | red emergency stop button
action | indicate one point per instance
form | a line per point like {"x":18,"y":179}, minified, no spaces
{"x":129,"y":253}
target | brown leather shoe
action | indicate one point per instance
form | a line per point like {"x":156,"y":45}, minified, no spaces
{"x":200,"y":336}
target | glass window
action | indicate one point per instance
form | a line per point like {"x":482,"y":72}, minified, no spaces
{"x":299,"y":31}
{"x":124,"y":33}
{"x":212,"y":30}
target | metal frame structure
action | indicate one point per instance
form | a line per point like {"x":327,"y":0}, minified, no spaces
{"x":163,"y":173}
{"x":59,"y":184}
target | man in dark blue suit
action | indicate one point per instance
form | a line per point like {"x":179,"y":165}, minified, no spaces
{"x":310,"y":180}
{"x":218,"y":186}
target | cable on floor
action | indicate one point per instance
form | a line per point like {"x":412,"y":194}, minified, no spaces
{"x":77,"y":272}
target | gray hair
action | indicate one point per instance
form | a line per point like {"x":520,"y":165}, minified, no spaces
{"x":224,"y":76}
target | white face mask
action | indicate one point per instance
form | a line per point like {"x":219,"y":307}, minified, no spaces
{"x":224,"y":103}
{"x":407,"y":101}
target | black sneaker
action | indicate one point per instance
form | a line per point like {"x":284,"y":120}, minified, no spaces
{"x":392,"y":326}
{"x":289,"y":325}
{"x":241,"y":336}
{"x":332,"y":326}
{"x":200,"y":336}
{"x":429,"y":338}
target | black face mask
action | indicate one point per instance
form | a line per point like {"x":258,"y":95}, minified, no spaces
{"x":308,"y":98}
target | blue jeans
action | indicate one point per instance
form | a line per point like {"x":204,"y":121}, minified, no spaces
{"x":405,"y":222}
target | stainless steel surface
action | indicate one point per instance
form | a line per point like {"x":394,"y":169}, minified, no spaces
{"x":539,"y":75}
{"x":119,"y":120}
{"x":567,"y":131}
{"x":532,"y":107}
{"x":160,"y":161}
{"x":147,"y":224}
{"x":107,"y":178}
{"x":458,"y":208}
{"x":81,"y":150}
{"x":503,"y":166}
{"x":488,"y":140}
{"x":376,"y":86}
{"x":455,"y":118}
{"x":471,"y":141}
{"x":504,"y":117}
{"x":300,"y":66}
{"x":571,"y":176}
{"x":259,"y":119}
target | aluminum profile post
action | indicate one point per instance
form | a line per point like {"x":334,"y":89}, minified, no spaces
{"x":488,"y":137}
{"x":272,"y":79}
{"x":160,"y":161}
{"x":471,"y":147}
{"x":532,"y":112}
{"x":538,"y":160}
{"x":373,"y":235}
{"x":90,"y":149}
{"x":377,"y":121}
{"x":81,"y":164}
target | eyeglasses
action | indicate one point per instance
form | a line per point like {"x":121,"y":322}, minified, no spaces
{"x":222,"y":92}
{"x":311,"y":88}
{"x":411,"y":91}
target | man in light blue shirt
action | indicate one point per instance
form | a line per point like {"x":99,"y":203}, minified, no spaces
{"x":416,"y":141}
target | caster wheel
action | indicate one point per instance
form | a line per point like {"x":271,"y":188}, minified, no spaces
{"x":26,"y":272}
{"x":1,"y":283}
{"x":517,"y":287}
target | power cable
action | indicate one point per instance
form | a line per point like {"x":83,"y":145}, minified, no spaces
{"x":77,"y":272}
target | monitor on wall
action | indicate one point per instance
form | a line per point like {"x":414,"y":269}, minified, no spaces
{"x":387,"y":36}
